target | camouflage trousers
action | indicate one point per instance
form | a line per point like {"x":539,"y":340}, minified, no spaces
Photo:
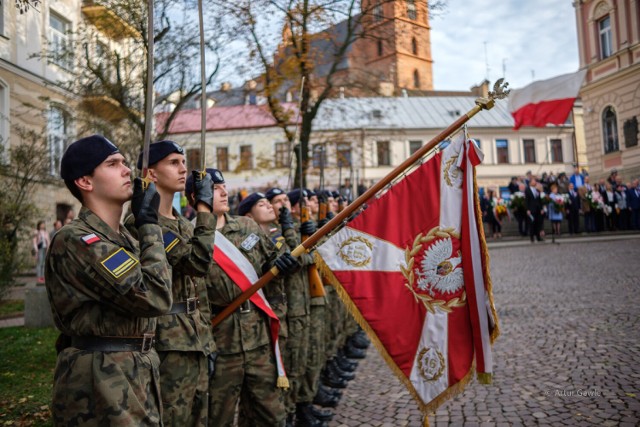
{"x":249,"y":377}
{"x":316,"y":354}
{"x":184,"y":384}
{"x":98,"y":389}
{"x":296,"y":358}
{"x":335,"y":317}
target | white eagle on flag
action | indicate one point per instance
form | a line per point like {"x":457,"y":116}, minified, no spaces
{"x":440,"y":270}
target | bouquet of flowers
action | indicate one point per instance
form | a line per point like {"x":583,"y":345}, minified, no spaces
{"x":595,"y":200}
{"x":517,"y":201}
{"x":501,"y":209}
{"x":560,"y":201}
{"x":544,"y":198}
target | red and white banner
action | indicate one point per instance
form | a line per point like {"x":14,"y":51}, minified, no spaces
{"x":240,"y":270}
{"x":412,"y":269}
{"x":545,"y":101}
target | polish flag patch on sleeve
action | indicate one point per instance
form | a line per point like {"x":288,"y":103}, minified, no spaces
{"x":91,"y":238}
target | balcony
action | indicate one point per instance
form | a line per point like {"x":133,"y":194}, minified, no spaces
{"x":104,"y":107}
{"x":105,"y":20}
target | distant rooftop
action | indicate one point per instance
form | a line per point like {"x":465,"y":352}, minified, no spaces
{"x":353,"y":113}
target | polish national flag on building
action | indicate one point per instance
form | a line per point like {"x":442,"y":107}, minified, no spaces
{"x":413,"y":270}
{"x":545,"y":101}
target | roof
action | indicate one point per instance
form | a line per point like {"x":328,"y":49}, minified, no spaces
{"x":353,"y":113}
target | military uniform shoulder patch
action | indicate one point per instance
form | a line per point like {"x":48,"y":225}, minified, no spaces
{"x":170,"y":241}
{"x":119,"y":262}
{"x":91,"y":238}
{"x":250,"y":242}
{"x":277,"y":238}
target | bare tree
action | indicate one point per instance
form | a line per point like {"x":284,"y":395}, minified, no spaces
{"x":317,"y":39}
{"x":114,"y":74}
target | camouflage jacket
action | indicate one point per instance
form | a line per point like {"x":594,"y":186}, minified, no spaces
{"x":297,"y":285}
{"x":241,"y":331}
{"x":189,"y":255}
{"x":306,"y":260}
{"x":101,"y":283}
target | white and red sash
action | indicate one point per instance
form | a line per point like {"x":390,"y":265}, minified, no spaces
{"x":241,"y":272}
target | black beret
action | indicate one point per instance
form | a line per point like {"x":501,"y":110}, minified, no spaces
{"x":273,"y":192}
{"x":248,"y":202}
{"x":216,"y":176}
{"x":335,"y":195}
{"x":310,"y":193}
{"x":84,"y":155}
{"x":294,"y":196}
{"x":159,"y":150}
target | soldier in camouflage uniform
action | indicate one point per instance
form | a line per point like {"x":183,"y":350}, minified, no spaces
{"x":183,"y":337}
{"x":246,"y":365}
{"x":105,"y":289}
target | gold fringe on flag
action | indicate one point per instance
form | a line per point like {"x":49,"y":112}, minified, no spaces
{"x":426,"y":408}
{"x":282,"y":382}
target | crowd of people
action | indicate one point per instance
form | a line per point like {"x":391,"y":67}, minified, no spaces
{"x":607,"y":205}
{"x":140,"y":305}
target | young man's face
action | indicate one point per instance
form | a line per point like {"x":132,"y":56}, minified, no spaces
{"x":314,"y":205}
{"x":262,"y":212}
{"x":220,"y":199}
{"x":111,"y":179}
{"x":279,"y":201}
{"x":332,"y":205}
{"x":170,"y":173}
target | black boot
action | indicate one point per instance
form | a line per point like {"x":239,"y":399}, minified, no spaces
{"x":304,"y":417}
{"x":353,"y":352}
{"x":326,"y":400}
{"x":345,"y":362}
{"x":334,"y":392}
{"x":360,"y":340}
{"x":333,"y":367}
{"x":332,"y":380}
{"x":323,"y":415}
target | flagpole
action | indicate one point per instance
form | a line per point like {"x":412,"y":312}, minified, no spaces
{"x":500,"y":91}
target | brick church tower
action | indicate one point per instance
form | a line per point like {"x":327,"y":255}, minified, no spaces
{"x":398,"y":48}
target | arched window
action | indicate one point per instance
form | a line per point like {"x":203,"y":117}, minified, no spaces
{"x":411,"y":9}
{"x":58,"y":134}
{"x":379,"y":47}
{"x":414,"y":46}
{"x":416,"y":79}
{"x":610,"y":130}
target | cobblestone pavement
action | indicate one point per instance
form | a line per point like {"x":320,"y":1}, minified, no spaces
{"x":569,"y":352}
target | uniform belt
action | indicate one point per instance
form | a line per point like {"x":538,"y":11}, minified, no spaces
{"x":143,"y":344}
{"x":189,"y":306}
{"x":245,"y":307}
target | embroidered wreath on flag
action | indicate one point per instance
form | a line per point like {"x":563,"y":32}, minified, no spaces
{"x":429,"y":302}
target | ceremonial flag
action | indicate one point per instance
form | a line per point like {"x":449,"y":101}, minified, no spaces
{"x":413,"y":270}
{"x":545,"y":101}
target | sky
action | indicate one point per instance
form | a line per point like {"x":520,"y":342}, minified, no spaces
{"x":534,"y":39}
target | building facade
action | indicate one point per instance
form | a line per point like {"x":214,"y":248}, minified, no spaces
{"x":363,"y":139}
{"x":609,"y":48}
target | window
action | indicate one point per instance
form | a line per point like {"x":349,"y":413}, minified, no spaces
{"x":2,"y":18}
{"x":384,"y":154}
{"x":319,"y":156}
{"x":502,"y":151}
{"x":58,"y":126}
{"x":416,"y":79}
{"x":193,"y":159}
{"x":556,"y":151}
{"x":222,"y":159}
{"x":610,"y":130}
{"x":378,"y":12}
{"x":4,"y":122}
{"x":343,"y":155}
{"x":414,"y":146}
{"x":529,"y":149}
{"x":411,"y":9}
{"x":59,"y":41}
{"x":380,"y":48}
{"x":414,"y":46}
{"x":282,"y":155}
{"x":604,"y":29}
{"x":246,"y":158}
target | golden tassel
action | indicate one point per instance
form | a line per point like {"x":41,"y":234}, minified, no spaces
{"x":282,"y":382}
{"x":425,"y":421}
{"x":485,"y":377}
